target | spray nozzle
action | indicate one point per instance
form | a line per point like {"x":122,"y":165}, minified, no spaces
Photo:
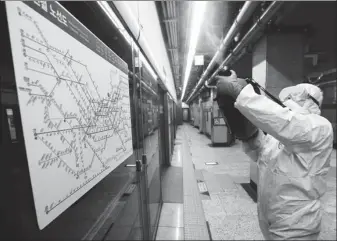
{"x":224,"y":72}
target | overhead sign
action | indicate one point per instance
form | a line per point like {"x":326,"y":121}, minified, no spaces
{"x":73,"y":93}
{"x":184,"y":105}
{"x":199,"y":60}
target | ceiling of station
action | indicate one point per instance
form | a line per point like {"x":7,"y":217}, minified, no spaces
{"x":175,"y":17}
{"x":218,"y":18}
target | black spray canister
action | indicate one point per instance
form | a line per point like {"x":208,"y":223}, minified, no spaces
{"x":240,"y":126}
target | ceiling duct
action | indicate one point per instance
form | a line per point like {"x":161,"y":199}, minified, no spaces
{"x":220,"y":17}
{"x":243,"y":16}
{"x":237,"y":52}
{"x":170,"y":19}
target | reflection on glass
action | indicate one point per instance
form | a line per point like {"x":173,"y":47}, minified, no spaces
{"x":150,"y":114}
{"x":11,"y":125}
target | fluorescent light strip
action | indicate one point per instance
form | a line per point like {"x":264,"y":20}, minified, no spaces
{"x":143,"y":36}
{"x":199,"y":8}
{"x":114,"y":19}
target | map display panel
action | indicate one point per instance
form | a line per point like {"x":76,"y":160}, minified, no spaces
{"x":74,"y":101}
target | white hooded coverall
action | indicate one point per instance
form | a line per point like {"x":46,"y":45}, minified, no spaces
{"x":293,"y":160}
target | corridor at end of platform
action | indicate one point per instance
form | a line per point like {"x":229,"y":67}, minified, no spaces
{"x":213,"y":202}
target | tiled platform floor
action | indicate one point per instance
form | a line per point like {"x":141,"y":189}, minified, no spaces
{"x":171,"y":222}
{"x":182,"y":216}
{"x":230,"y":211}
{"x":214,"y":194}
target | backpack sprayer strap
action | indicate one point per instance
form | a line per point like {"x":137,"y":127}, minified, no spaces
{"x":258,"y":86}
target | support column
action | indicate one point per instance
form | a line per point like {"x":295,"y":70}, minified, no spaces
{"x":243,"y":67}
{"x":278,"y":62}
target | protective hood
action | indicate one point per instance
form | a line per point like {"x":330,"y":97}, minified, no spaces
{"x":307,"y":96}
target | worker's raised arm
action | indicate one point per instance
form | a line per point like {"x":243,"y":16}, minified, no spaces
{"x":295,"y":130}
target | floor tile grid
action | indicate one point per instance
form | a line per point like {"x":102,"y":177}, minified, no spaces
{"x":328,"y":231}
{"x":227,"y":197}
{"x":202,"y":151}
{"x":195,"y":227}
{"x":171,"y":222}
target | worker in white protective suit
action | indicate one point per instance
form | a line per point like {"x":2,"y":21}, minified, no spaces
{"x":293,"y":156}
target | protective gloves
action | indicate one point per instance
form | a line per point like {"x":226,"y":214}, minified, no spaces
{"x":231,"y":85}
{"x":228,"y":89}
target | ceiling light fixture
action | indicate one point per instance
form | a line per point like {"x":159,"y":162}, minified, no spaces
{"x":199,"y":8}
